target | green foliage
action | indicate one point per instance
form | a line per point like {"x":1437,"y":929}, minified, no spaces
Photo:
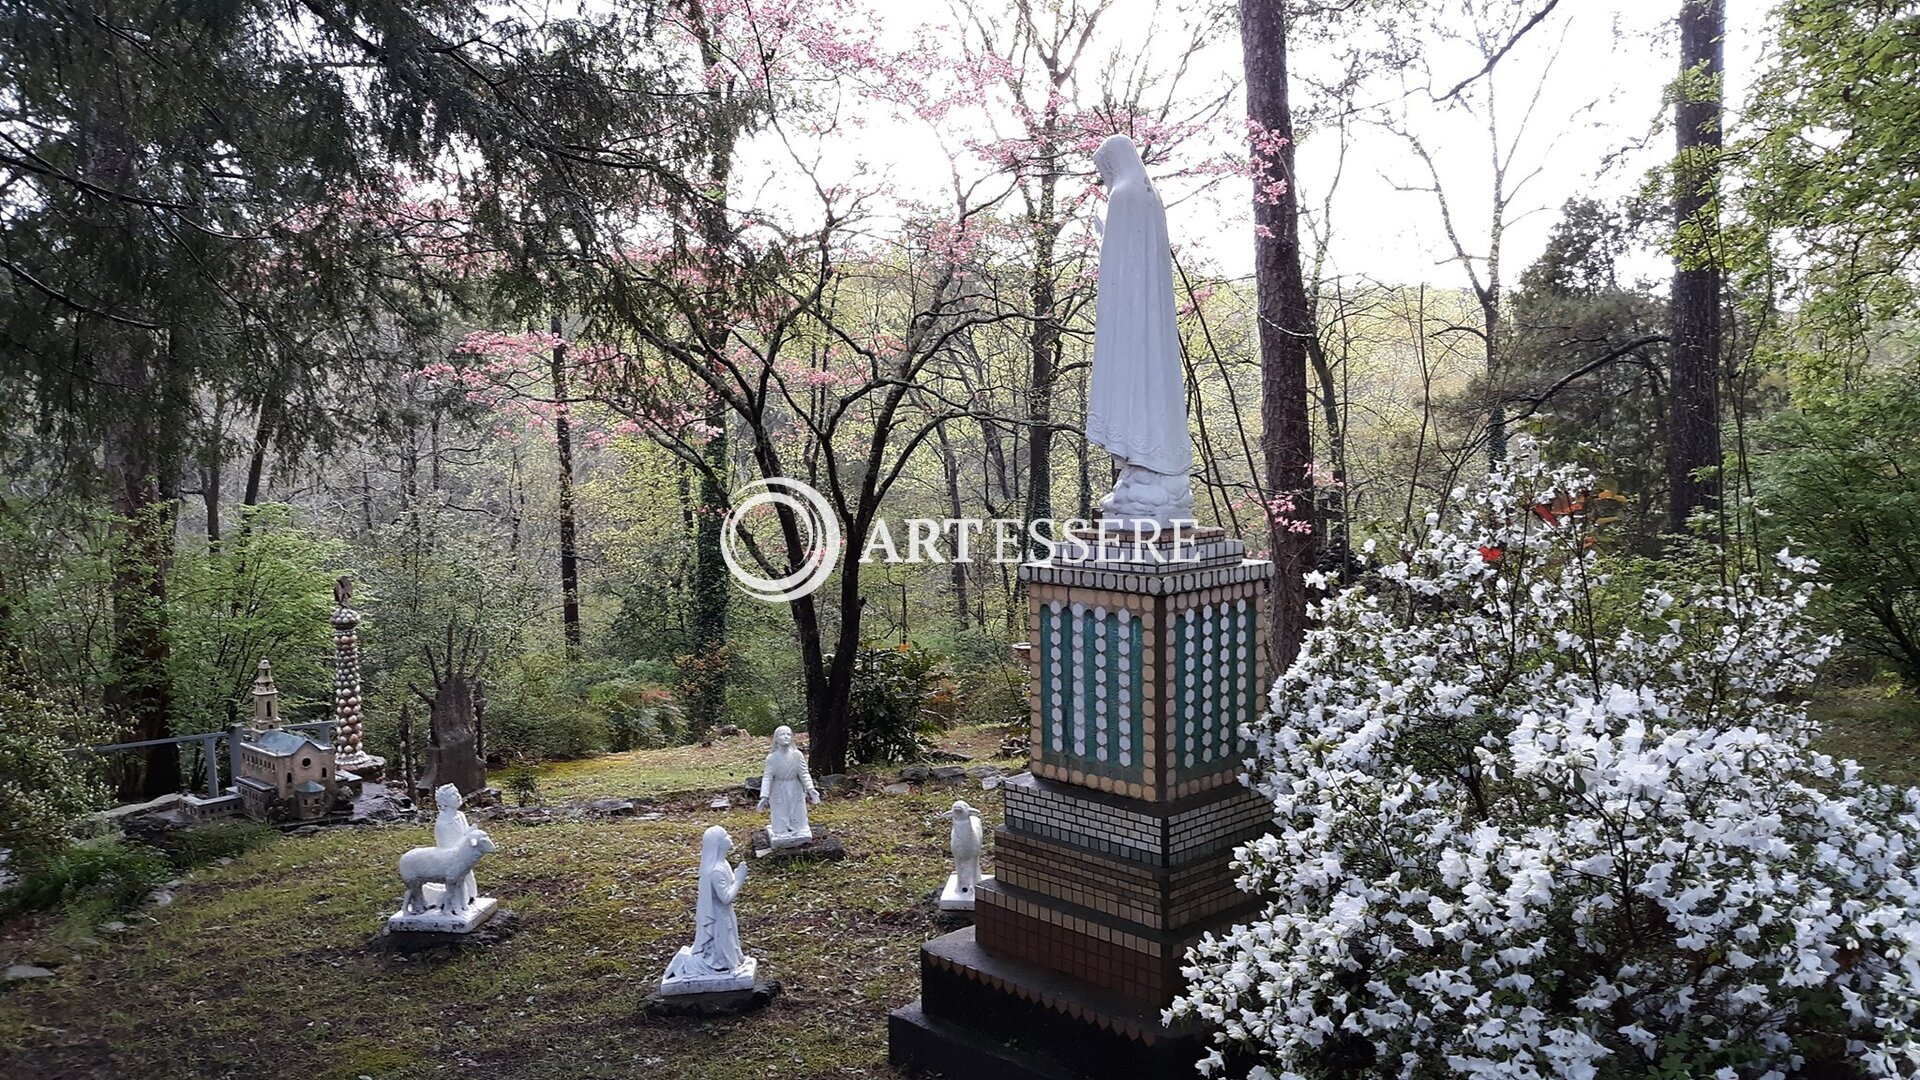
{"x":535,"y":712}
{"x":703,"y":686}
{"x":990,"y":686}
{"x":523,"y":786}
{"x":53,"y":579}
{"x":264,"y":593}
{"x":211,"y":842}
{"x":640,"y":711}
{"x":889,"y":712}
{"x":95,"y":879}
{"x":1832,"y":215}
{"x":42,"y":791}
{"x":1570,"y":313}
{"x":1840,"y":478}
{"x":541,"y":708}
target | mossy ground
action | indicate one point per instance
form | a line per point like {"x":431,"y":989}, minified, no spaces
{"x":262,"y":966}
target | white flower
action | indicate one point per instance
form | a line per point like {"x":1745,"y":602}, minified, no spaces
{"x":1503,"y":828}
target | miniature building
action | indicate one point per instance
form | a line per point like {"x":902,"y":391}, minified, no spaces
{"x":266,"y":698}
{"x":280,"y":767}
{"x":282,"y":774}
{"x":310,"y":801}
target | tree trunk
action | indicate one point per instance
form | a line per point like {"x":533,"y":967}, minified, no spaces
{"x":137,"y":456}
{"x":1286,"y":439}
{"x":257,"y":461}
{"x":1043,"y":343}
{"x":707,"y":690}
{"x":569,"y":551}
{"x":950,"y":465}
{"x":139,"y":691}
{"x":1694,"y":429}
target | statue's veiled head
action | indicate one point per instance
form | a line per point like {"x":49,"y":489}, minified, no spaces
{"x":714,"y":845}
{"x":1118,"y":159}
{"x":783,"y":737}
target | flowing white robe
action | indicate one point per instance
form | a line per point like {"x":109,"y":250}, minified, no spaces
{"x":1137,"y":405}
{"x":785,"y":784}
{"x":716,"y":932}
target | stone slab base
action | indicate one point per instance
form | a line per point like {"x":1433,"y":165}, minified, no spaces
{"x":712,"y":1006}
{"x":741,"y":979}
{"x":823,"y":846}
{"x":416,"y":943}
{"x":952,"y":899}
{"x":433,"y":921}
{"x":919,"y":1043}
{"x":994,"y":1018}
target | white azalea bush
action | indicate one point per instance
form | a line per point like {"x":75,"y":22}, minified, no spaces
{"x":1530,"y":828}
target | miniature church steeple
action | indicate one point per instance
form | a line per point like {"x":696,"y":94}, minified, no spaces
{"x":266,"y":698}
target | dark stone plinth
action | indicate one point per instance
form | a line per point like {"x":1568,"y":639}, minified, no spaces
{"x":993,"y":1018}
{"x":917,"y":1042}
{"x":712,"y":1006}
{"x":432,"y":944}
{"x":824,"y":846}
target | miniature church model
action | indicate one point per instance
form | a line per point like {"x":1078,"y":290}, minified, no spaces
{"x":283,"y":775}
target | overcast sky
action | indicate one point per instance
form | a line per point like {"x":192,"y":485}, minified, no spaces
{"x":1596,"y":129}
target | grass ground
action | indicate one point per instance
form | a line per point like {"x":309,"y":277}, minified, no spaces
{"x":1878,"y":730}
{"x":655,"y":773}
{"x":263,"y":964}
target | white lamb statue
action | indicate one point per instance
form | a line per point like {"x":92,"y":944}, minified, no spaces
{"x":958,"y":894}
{"x":444,"y":910}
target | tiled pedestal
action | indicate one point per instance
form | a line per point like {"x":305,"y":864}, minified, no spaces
{"x":1114,"y":855}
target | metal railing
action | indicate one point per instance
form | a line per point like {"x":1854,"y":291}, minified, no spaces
{"x":209,"y":745}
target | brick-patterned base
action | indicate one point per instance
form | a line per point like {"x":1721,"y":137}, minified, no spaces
{"x":1154,"y":897}
{"x":1115,"y":853}
{"x":1138,"y":830}
{"x":1135,"y":963}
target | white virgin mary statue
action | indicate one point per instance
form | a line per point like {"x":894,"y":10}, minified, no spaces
{"x":1137,"y":407}
{"x":715,"y":952}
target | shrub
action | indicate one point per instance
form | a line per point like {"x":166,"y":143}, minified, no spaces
{"x":523,"y":786}
{"x":888,"y":710}
{"x":638,"y":704}
{"x":536,"y":711}
{"x":42,"y":791}
{"x":1841,"y":479}
{"x":212,"y":841}
{"x":1522,"y":834}
{"x":97,"y":879}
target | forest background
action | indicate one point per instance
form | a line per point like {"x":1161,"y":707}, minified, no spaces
{"x":491,"y":310}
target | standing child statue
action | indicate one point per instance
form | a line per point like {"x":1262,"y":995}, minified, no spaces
{"x":715,"y":960}
{"x":786,"y":787}
{"x":449,"y":830}
{"x":959,"y":891}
